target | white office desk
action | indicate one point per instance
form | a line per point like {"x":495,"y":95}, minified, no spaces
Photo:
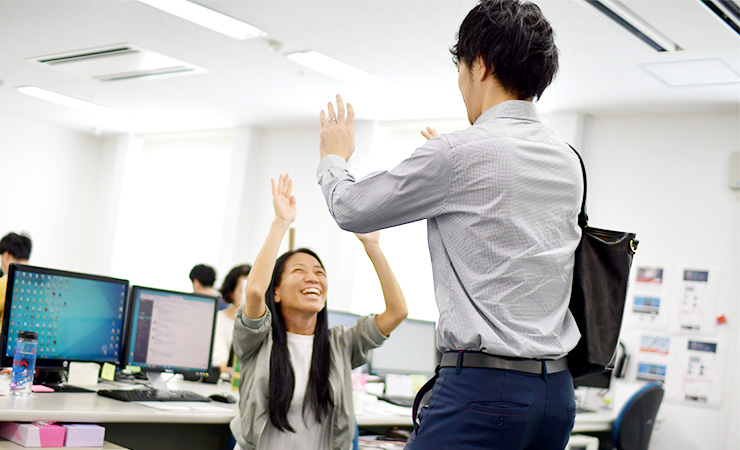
{"x":131,"y":424}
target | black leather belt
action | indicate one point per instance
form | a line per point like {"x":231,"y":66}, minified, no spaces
{"x":484,"y":360}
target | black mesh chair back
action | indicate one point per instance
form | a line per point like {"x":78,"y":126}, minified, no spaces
{"x":634,"y":426}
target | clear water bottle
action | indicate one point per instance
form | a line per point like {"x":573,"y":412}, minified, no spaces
{"x":24,"y":364}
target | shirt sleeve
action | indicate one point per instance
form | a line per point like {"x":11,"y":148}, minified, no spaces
{"x":249,"y":334}
{"x":414,"y":190}
{"x":361,"y":338}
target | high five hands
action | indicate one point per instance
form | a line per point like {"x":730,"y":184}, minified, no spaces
{"x":337,"y":136}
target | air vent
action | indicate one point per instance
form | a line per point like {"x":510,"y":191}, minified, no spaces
{"x":728,"y":12}
{"x":117,"y":63}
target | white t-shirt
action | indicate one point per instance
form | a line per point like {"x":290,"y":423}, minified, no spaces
{"x":309,"y":434}
{"x":223,"y":338}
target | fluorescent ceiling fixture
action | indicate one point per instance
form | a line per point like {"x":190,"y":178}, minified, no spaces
{"x":67,"y":101}
{"x":633,"y":23}
{"x":693,"y":73}
{"x":208,"y":18}
{"x":335,"y":68}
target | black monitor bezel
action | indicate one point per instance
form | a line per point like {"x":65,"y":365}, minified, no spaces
{"x":130,"y":322}
{"x":46,"y":363}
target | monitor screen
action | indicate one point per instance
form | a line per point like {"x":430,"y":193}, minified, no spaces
{"x":170,"y":331}
{"x":337,"y":318}
{"x":77,"y":317}
{"x":410,"y":349}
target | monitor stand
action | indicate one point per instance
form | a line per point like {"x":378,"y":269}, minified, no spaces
{"x":157,"y":381}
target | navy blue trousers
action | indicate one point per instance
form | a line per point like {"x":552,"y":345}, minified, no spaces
{"x":494,"y":409}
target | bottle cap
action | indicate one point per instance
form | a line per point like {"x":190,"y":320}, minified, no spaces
{"x":27,"y":334}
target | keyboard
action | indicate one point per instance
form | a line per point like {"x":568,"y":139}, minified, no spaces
{"x":152,"y":395}
{"x":400,"y":401}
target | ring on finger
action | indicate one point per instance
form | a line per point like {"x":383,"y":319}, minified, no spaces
{"x":333,"y":119}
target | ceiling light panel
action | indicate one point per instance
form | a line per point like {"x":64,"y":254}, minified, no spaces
{"x":336,"y":69}
{"x":64,"y":100}
{"x":207,"y":18}
{"x":693,"y":73}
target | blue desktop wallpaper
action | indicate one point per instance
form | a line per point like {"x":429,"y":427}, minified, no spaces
{"x":76,"y":319}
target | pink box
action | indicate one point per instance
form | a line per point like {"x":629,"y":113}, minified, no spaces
{"x":84,"y":435}
{"x":31,"y":435}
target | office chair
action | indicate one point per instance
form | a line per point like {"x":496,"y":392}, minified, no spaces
{"x":633,"y":427}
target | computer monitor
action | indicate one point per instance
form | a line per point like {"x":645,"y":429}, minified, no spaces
{"x":170,"y":331}
{"x":410,"y":349}
{"x":77,"y":317}
{"x":600,"y":380}
{"x":338,"y":318}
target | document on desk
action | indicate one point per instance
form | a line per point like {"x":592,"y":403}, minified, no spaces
{"x":181,"y":406}
{"x":381,"y":407}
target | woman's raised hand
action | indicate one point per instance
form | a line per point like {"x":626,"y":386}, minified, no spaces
{"x":369,"y":238}
{"x":282,"y":200}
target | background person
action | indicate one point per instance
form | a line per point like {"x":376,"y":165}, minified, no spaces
{"x":501,"y":200}
{"x":232,"y":291}
{"x":296,"y":384}
{"x":203,"y":278}
{"x":14,"y":248}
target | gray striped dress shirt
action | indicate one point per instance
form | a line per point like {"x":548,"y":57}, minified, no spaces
{"x":501,"y":200}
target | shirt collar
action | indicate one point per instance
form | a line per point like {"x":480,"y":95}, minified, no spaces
{"x":512,"y":109}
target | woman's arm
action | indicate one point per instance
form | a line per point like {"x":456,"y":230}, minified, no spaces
{"x":395,"y":303}
{"x":261,"y":273}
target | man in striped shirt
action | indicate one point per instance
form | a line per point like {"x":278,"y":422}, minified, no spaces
{"x":501,"y":200}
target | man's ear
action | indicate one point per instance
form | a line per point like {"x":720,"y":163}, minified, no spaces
{"x":480,"y":70}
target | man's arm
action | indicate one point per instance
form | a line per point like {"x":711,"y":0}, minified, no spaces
{"x":416,"y":189}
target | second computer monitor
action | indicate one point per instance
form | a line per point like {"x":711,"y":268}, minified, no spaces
{"x":170,"y":331}
{"x":410,"y":349}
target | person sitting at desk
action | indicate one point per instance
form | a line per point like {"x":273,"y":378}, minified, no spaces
{"x":232,"y":291}
{"x":296,"y":387}
{"x":203,"y":277}
{"x":14,"y":248}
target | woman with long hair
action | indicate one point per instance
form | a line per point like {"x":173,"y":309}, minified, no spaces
{"x":296,"y":387}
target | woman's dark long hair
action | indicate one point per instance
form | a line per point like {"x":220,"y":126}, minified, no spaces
{"x":282,"y":378}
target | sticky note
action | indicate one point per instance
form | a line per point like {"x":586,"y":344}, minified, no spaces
{"x":83,"y":373}
{"x":108,"y":372}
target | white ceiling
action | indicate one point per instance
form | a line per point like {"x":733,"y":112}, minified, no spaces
{"x":403,"y":41}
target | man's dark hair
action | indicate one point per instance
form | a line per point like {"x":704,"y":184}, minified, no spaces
{"x":18,"y":245}
{"x":205,"y":275}
{"x":282,"y":377}
{"x":231,"y":281}
{"x":515,"y":42}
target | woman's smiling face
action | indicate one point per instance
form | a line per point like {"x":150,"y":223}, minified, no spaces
{"x":303,"y":285}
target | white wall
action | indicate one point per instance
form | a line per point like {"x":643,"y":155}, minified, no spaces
{"x":51,"y":179}
{"x":172,"y":207}
{"x":666,"y":178}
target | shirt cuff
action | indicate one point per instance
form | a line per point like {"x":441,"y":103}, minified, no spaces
{"x":328,"y":162}
{"x":251,"y":323}
{"x":372,"y":331}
